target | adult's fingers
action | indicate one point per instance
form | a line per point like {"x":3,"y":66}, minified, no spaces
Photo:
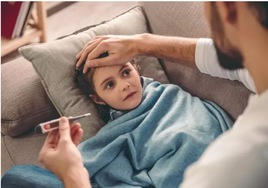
{"x":88,"y":51}
{"x":105,"y":61}
{"x":51,"y":138}
{"x":82,"y":58}
{"x":85,"y":47}
{"x":75,"y":128}
{"x":50,"y":143}
{"x":102,"y":47}
{"x":76,"y":133}
{"x":77,"y":136}
{"x":58,"y":135}
{"x":83,"y":54}
{"x":64,"y":129}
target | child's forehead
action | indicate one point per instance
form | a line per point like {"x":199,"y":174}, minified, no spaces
{"x":111,"y":70}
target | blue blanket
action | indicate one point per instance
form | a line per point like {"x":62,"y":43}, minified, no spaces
{"x":152,"y":145}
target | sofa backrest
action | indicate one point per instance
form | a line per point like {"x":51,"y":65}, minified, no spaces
{"x":186,"y":19}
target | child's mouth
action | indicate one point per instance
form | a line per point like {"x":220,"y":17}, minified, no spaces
{"x":130,"y":95}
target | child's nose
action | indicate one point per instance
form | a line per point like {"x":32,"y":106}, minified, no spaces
{"x":125,"y":86}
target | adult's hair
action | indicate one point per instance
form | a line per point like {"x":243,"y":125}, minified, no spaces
{"x":260,"y":11}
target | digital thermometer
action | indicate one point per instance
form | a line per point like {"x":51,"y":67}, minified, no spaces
{"x":54,"y":124}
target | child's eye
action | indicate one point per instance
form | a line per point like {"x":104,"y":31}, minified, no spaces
{"x":126,"y":72}
{"x":109,"y":84}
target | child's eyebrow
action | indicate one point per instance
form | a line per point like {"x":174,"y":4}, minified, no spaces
{"x":106,"y":80}
{"x":122,"y":68}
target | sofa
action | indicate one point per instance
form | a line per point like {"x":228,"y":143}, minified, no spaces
{"x":25,"y":102}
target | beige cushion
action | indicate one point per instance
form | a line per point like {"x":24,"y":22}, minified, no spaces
{"x":186,"y":19}
{"x":55,"y":62}
{"x":21,"y":150}
{"x":24,"y":102}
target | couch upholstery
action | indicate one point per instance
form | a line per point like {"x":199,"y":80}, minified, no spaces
{"x":186,"y":19}
{"x":164,"y":18}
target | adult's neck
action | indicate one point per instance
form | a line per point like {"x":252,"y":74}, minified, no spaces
{"x":256,"y":61}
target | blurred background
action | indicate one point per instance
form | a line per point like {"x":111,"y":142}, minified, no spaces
{"x":63,"y":18}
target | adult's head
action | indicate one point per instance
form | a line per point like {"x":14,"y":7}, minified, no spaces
{"x":240,"y":34}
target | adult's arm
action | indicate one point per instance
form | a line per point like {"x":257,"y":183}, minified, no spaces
{"x":77,"y":178}
{"x":122,"y":49}
{"x":196,"y":53}
{"x":177,"y":49}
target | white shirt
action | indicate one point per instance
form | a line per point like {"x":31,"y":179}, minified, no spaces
{"x":207,"y":62}
{"x":239,"y":157}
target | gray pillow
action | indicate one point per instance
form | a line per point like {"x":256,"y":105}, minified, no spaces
{"x":55,"y":62}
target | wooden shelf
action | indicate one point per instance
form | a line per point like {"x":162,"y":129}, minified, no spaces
{"x":37,"y":31}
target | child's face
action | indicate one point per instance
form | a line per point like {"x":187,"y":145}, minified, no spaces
{"x":118,"y":86}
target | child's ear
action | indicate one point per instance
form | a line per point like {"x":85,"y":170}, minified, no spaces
{"x":97,"y":100}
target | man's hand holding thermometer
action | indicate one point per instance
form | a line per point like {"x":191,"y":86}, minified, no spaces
{"x":60,"y":155}
{"x":54,"y":124}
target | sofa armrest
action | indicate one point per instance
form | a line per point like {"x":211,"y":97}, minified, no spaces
{"x":24,"y":100}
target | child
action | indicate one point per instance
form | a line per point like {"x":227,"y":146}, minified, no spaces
{"x":154,"y":131}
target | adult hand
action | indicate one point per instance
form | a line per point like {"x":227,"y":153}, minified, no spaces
{"x":121,"y":49}
{"x":60,"y":153}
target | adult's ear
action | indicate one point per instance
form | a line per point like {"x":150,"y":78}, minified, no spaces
{"x":97,"y":99}
{"x":228,"y":11}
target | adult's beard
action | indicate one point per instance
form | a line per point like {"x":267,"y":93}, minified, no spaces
{"x":229,"y":57}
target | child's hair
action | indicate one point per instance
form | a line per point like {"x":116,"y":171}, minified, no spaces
{"x":85,"y":83}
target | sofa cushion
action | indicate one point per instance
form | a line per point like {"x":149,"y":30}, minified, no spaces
{"x":21,"y":150}
{"x":186,"y":19}
{"x":55,"y":62}
{"x":24,"y":100}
